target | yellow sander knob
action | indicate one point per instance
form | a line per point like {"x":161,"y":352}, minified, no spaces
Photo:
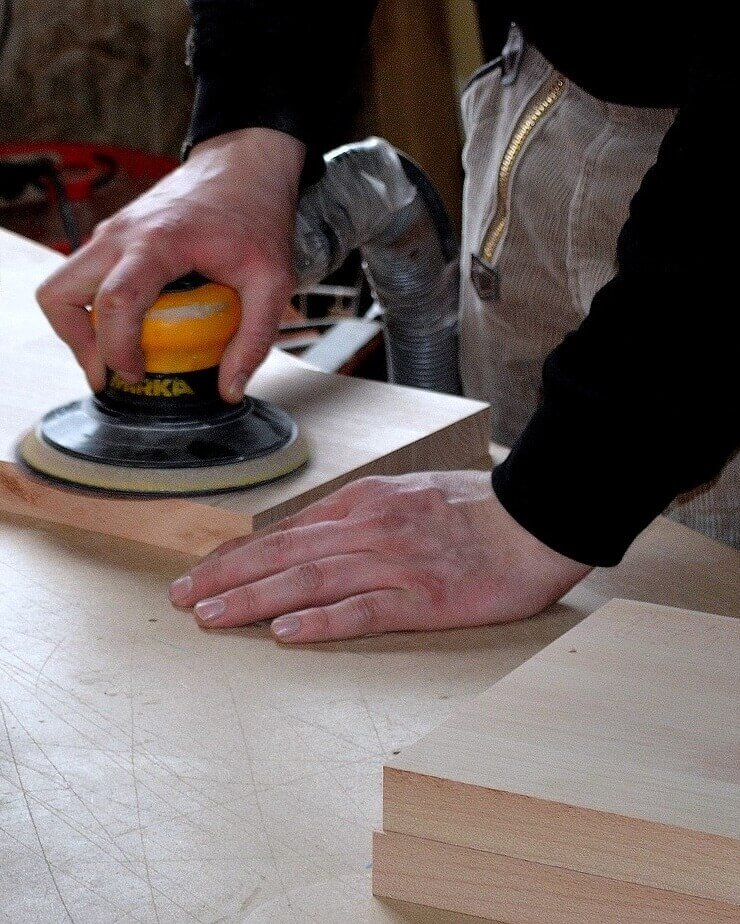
{"x":188,"y":330}
{"x":189,"y":326}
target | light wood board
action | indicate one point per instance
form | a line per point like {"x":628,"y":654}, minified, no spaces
{"x":175,"y":525}
{"x":504,"y":889}
{"x":615,"y":752}
{"x":157,"y":772}
{"x":354,"y":427}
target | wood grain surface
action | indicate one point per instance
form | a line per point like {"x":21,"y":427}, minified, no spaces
{"x":614,"y":752}
{"x":175,"y":525}
{"x":153,"y":770}
{"x":443,"y":876}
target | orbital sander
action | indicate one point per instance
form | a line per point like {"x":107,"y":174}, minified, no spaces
{"x":171,"y":433}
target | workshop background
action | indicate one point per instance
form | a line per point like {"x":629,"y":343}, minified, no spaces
{"x":95,"y":99}
{"x":112,"y":72}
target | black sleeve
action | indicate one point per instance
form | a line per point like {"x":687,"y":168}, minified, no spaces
{"x":640,"y":403}
{"x":494,"y":21}
{"x":283,"y":64}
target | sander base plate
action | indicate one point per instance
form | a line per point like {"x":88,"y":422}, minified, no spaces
{"x":61,"y":467}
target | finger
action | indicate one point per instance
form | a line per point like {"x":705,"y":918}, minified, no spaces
{"x":270,"y":554}
{"x":64,"y":298}
{"x":313,"y":583}
{"x":333,"y":508}
{"x":302,"y":519}
{"x":366,"y":614}
{"x":130,"y":288}
{"x":263,"y":299}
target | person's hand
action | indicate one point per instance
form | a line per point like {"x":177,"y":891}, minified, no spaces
{"x":427,"y":551}
{"x":227,"y":212}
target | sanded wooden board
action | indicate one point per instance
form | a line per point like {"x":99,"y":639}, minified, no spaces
{"x":504,"y":889}
{"x":172,"y":524}
{"x":354,"y":427}
{"x":613,"y":752}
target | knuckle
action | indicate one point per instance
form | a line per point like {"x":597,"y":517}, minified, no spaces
{"x":115,"y":298}
{"x":276,"y":548}
{"x":110,"y":227}
{"x":373,"y":483}
{"x":230,"y":245}
{"x":45,"y":294}
{"x":208,"y":574}
{"x":366,"y":615}
{"x":261,"y":339}
{"x":429,"y":498}
{"x":388,"y":521}
{"x":310,"y":577}
{"x":104,"y":228}
{"x":252,"y":358}
{"x":435,"y":547}
{"x":247,"y":599}
{"x":171,"y":225}
{"x":321,"y":623}
{"x":432,"y":588}
{"x":371,"y":489}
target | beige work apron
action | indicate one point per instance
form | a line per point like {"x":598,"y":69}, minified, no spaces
{"x":550,"y":172}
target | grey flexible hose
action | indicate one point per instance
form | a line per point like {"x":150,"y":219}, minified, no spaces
{"x":374,"y":198}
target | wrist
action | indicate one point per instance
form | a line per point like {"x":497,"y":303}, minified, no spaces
{"x":539,"y":574}
{"x":278,"y":151}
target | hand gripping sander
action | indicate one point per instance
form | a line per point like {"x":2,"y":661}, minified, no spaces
{"x":171,"y":433}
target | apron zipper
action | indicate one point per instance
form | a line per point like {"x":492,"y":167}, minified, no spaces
{"x":542,"y":101}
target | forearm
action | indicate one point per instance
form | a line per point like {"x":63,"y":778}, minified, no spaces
{"x":276,"y":64}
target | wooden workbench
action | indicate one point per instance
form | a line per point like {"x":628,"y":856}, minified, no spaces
{"x":150,"y":771}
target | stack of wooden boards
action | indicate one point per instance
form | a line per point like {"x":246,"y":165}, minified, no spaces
{"x":598,"y":782}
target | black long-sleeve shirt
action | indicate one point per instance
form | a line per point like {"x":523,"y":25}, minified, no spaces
{"x":639,"y":404}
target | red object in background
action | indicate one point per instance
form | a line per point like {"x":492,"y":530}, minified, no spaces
{"x":98,"y":180}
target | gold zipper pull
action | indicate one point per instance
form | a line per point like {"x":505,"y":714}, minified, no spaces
{"x":541,"y":102}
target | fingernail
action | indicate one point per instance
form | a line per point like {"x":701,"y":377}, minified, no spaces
{"x":133,"y":378}
{"x":208,"y":610}
{"x":238,"y":384}
{"x":181,"y":588}
{"x":286,"y":627}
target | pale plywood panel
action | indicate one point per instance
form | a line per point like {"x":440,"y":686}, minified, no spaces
{"x":276,"y":820}
{"x":520,"y":892}
{"x":560,"y":835}
{"x":672,"y":565}
{"x":615,"y":751}
{"x":354,"y":427}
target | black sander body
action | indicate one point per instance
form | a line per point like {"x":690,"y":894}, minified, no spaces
{"x":171,"y":434}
